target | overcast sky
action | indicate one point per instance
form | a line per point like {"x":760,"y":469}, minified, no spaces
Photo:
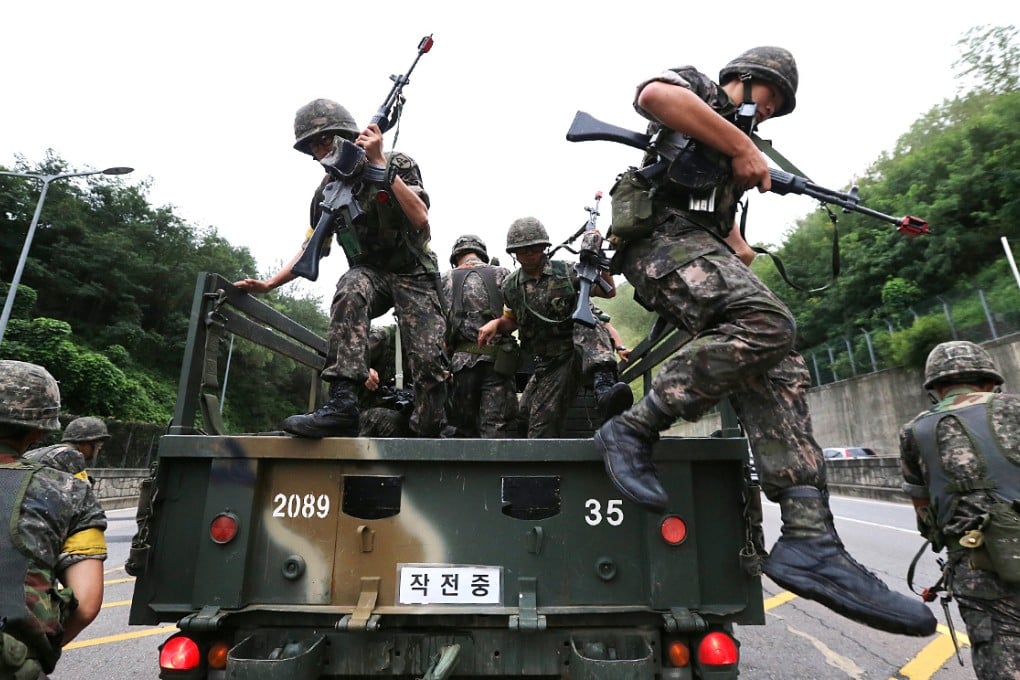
{"x":200,"y":98}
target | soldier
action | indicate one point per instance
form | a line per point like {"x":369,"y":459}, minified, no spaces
{"x":395,"y":269}
{"x":483,"y":393}
{"x":53,"y":530}
{"x":83,"y":439}
{"x":680,"y":256}
{"x":385,"y":408}
{"x":961,"y":469}
{"x":540,"y":298}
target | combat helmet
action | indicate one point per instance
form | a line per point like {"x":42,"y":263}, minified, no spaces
{"x":322,"y":115}
{"x":468,"y":243}
{"x":524,"y":232}
{"x":772,"y":64}
{"x":29,"y":396}
{"x":959,"y":362}
{"x":87,"y":429}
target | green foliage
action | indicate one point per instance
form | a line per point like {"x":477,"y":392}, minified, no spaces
{"x":910,"y":347}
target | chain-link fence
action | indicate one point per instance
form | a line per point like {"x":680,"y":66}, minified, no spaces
{"x":976,"y":316}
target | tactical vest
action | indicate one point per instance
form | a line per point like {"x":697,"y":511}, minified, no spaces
{"x":556,"y":335}
{"x":19,"y":621}
{"x":458,"y":313}
{"x":1002,"y":476}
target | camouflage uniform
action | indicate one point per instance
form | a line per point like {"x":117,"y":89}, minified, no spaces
{"x":741,"y":347}
{"x":384,"y":412}
{"x":482,"y":403}
{"x":61,"y":457}
{"x":990,"y":606}
{"x":52,"y":520}
{"x":398,"y":271}
{"x":564,"y":352}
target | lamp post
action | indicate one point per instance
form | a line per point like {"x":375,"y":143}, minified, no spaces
{"x":46,"y":180}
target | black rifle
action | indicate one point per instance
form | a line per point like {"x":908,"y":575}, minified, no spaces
{"x":345,"y":164}
{"x":587,"y":128}
{"x":589,"y":266}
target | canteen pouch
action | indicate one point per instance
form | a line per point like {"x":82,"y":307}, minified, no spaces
{"x":1001,"y":530}
{"x":508,"y":358}
{"x":632,"y":207}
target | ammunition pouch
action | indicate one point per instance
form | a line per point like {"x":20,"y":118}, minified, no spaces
{"x":508,"y":358}
{"x":633,"y":210}
{"x":16,"y":660}
{"x":996,"y":545}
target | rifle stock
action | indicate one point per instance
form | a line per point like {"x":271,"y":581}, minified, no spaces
{"x":587,"y":128}
{"x":345,"y":164}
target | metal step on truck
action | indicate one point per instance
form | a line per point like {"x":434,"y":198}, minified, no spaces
{"x":287,"y":558}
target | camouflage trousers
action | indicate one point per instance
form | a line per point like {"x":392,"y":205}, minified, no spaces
{"x":993,"y":624}
{"x":741,"y":347}
{"x":482,"y":403}
{"x":365,"y":293}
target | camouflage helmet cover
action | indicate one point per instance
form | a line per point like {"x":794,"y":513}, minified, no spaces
{"x":524,"y":232}
{"x":771,"y":64}
{"x":87,"y":429}
{"x":322,"y":115}
{"x":960,"y":362}
{"x":29,"y":396}
{"x":468,"y":243}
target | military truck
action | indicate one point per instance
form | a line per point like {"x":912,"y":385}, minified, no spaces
{"x":279,"y":557}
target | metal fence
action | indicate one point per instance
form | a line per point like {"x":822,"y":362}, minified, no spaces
{"x":976,"y":316}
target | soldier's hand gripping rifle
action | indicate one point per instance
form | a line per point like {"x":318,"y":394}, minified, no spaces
{"x":340,"y":208}
{"x":589,"y":266}
{"x":586,"y":128}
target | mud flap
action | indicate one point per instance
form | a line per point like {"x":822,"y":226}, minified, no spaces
{"x":611,"y":657}
{"x":258,"y":658}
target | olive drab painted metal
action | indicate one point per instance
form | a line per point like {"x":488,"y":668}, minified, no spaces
{"x":524,"y":232}
{"x":773,"y":64}
{"x":453,"y":558}
{"x":29,"y":396}
{"x":959,"y":362}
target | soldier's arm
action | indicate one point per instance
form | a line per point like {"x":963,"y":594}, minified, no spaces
{"x":680,"y":109}
{"x":85,"y":578}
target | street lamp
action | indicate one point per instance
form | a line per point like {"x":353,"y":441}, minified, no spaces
{"x":46,"y":179}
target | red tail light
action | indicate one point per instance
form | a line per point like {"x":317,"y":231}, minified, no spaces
{"x":678,"y":653}
{"x":179,"y":653}
{"x":223,"y":527}
{"x":673,"y":530}
{"x":217,"y":656}
{"x":717,"y":649}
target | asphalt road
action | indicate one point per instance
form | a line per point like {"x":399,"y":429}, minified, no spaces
{"x":801,"y":639}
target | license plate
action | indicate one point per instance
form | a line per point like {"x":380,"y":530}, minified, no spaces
{"x":449,"y":584}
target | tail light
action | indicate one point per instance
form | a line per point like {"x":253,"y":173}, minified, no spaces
{"x":718,"y":649}
{"x":673,"y":530}
{"x":217,"y":656}
{"x":678,"y":654}
{"x":223,"y":528}
{"x":179,"y":653}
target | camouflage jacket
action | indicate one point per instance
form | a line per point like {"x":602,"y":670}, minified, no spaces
{"x":672,"y":201}
{"x":473,"y":312}
{"x":60,"y":456}
{"x":387,"y":239}
{"x":542,"y":307}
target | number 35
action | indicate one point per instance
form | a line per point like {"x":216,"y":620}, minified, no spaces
{"x":613,"y":514}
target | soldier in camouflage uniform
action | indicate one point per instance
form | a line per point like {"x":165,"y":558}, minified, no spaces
{"x":684,"y":266}
{"x":395,"y":269}
{"x":539,"y":299}
{"x":961,"y":465}
{"x":385,"y":409}
{"x":52,"y":531}
{"x":83,"y":439}
{"x":482,"y":401}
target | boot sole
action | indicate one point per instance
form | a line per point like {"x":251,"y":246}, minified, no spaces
{"x":603,"y":449}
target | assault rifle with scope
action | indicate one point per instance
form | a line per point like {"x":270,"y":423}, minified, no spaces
{"x":340,"y":207}
{"x":587,"y":128}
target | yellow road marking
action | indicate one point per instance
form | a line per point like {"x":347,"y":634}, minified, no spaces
{"x":110,"y":571}
{"x":118,"y":580}
{"x":930,"y":659}
{"x":781,"y":598}
{"x":121,"y":603}
{"x":119,"y":638}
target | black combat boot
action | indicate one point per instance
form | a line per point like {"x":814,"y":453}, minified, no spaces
{"x":612,"y":396}
{"x":810,"y":560}
{"x":338,"y":417}
{"x":626,"y":445}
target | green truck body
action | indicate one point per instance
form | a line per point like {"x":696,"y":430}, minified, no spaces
{"x":433,"y":558}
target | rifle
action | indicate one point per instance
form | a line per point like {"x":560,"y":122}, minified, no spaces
{"x":587,"y":128}
{"x":345,"y":164}
{"x":589,"y":266}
